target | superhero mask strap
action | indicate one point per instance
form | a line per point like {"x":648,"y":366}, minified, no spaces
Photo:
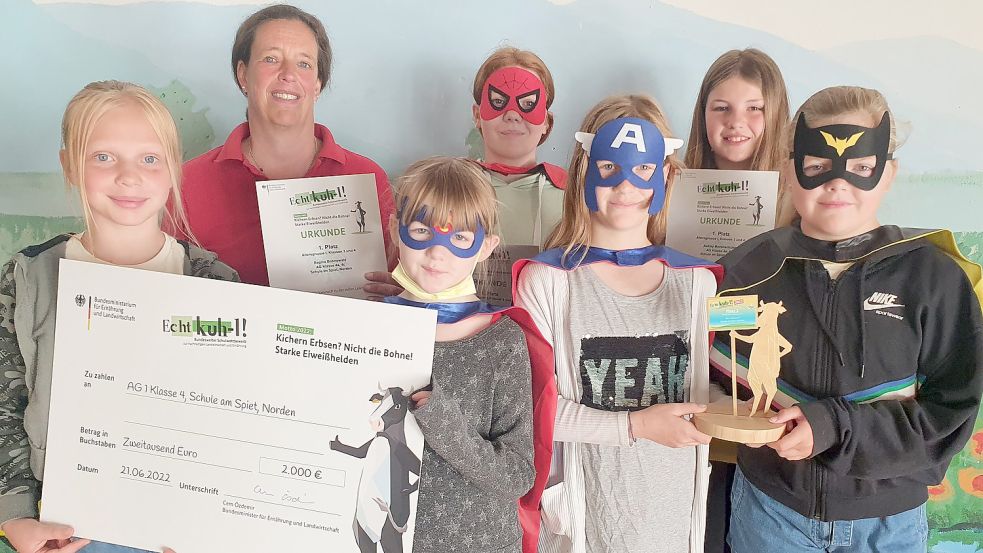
{"x":627,"y":142}
{"x":837,"y":145}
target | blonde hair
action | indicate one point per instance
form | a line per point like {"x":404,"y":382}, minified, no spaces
{"x":449,"y":189}
{"x":824,"y":108}
{"x":510,"y":56}
{"x":82,"y":115}
{"x":573,"y":231}
{"x":757,"y":68}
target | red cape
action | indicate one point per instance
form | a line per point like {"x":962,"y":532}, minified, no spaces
{"x":544,"y":396}
{"x":556,"y":175}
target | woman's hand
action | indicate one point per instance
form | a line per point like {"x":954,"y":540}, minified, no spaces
{"x":381,"y":284}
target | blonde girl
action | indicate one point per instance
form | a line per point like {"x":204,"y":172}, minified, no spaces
{"x":624,"y":317}
{"x":121,"y":152}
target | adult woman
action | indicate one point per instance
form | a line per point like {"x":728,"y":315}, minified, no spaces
{"x":281,"y":61}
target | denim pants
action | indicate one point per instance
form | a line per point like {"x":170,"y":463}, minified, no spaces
{"x":759,"y":524}
{"x":102,"y":547}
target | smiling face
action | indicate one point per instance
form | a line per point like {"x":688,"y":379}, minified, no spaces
{"x":280,"y":80}
{"x":624,"y":207}
{"x":126,"y":181}
{"x":735,"y":122}
{"x":837,"y":210}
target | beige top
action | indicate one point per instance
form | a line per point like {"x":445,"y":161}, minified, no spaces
{"x":170,"y":258}
{"x":836,"y":269}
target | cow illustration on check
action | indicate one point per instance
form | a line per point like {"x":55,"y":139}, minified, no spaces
{"x":383,"y":506}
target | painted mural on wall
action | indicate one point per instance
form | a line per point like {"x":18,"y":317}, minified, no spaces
{"x":399,"y":93}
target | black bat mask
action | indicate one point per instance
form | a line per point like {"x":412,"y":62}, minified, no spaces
{"x":838,"y":144}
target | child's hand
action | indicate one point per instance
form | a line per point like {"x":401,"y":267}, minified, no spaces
{"x":747,"y":404}
{"x":29,"y":535}
{"x":380,"y":284}
{"x":797,"y":443}
{"x":664,"y":424}
{"x":420,"y":398}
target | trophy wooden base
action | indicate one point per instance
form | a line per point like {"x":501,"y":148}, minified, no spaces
{"x":719,"y":421}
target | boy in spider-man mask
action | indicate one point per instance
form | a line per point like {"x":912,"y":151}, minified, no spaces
{"x":883,"y":384}
{"x":512,"y":94}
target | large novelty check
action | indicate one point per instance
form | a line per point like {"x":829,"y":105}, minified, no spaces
{"x":210,"y":416}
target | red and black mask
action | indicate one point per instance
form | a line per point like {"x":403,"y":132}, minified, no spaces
{"x":513,"y":89}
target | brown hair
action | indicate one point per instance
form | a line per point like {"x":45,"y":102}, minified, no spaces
{"x":242,"y":46}
{"x":80,"y":119}
{"x":756,"y":67}
{"x":573,"y":230}
{"x":510,"y":56}
{"x":821,"y":109}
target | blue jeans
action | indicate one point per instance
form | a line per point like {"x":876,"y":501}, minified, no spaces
{"x":759,"y":524}
{"x":103,"y":547}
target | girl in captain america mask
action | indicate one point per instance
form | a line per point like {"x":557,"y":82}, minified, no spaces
{"x":512,"y":93}
{"x":625,"y":318}
{"x":480,"y":418}
{"x":883,"y":384}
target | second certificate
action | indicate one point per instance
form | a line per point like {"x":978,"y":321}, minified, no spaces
{"x":322,"y":234}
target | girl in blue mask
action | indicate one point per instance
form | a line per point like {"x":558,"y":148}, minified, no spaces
{"x":626,"y":320}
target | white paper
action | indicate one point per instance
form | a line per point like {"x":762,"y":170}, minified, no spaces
{"x":164,"y":431}
{"x":322,"y":234}
{"x":711,"y":212}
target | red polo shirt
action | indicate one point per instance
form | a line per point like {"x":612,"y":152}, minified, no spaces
{"x":219,"y":193}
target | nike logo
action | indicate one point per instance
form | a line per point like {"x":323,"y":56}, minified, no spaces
{"x":881,"y":300}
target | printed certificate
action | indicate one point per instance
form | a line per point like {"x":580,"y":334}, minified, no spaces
{"x":712,"y":212}
{"x":322,"y":234}
{"x":494,"y":278}
{"x":211,"y":416}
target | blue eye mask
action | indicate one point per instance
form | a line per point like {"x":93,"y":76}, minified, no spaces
{"x":440,"y":236}
{"x":627,"y":142}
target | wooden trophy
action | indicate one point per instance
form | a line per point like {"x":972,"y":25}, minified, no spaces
{"x":739,"y":423}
